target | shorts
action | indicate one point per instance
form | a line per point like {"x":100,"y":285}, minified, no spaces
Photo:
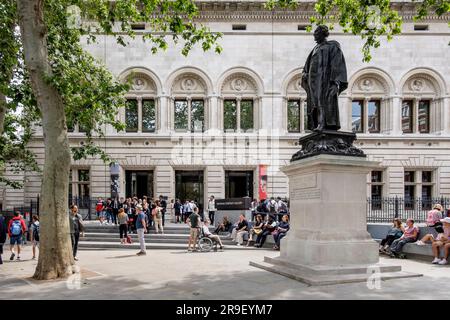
{"x":16,"y":240}
{"x":194,"y":233}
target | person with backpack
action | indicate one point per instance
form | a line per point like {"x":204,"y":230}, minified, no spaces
{"x":76,"y":227}
{"x":34,"y":229}
{"x":2,"y":236}
{"x":16,"y":229}
{"x":272,"y":206}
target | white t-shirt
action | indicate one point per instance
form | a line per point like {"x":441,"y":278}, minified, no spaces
{"x":206,"y":231}
{"x":212,"y":205}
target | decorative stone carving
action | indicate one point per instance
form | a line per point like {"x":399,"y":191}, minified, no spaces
{"x":417,"y":85}
{"x":328,"y":142}
{"x":138,"y":84}
{"x":366,"y":84}
{"x":422,"y":84}
{"x":188,"y":84}
{"x":239,"y":84}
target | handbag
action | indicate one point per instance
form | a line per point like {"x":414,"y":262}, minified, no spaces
{"x":257,"y":231}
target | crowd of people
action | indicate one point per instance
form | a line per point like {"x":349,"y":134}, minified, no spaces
{"x":134,"y":215}
{"x":139,"y":215}
{"x":400,"y":235}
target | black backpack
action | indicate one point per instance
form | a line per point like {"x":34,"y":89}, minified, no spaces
{"x":35,"y":232}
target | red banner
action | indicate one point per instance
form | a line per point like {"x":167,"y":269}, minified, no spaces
{"x":262,"y":182}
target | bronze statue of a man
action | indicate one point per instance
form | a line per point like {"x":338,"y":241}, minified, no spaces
{"x":324,"y":78}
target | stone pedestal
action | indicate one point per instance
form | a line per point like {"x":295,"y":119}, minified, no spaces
{"x":328,"y":241}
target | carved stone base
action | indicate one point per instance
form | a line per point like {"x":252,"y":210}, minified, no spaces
{"x":328,"y":142}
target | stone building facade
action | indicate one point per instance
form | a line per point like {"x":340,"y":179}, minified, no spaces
{"x":202,"y":125}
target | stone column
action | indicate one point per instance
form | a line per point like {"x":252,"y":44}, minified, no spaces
{"x":396,"y":116}
{"x":445,"y":114}
{"x":139,"y":101}
{"x":213,"y":113}
{"x":346,"y":113}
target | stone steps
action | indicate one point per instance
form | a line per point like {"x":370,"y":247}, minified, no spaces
{"x":100,"y":245}
{"x":115,"y":229}
{"x":152,"y":238}
{"x":176,"y":236}
{"x":322,"y":280}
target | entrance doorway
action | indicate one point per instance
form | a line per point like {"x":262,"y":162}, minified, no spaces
{"x":238,"y":184}
{"x":189,"y":185}
{"x":139,"y":183}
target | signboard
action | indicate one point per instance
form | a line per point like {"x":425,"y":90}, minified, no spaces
{"x":234,"y":204}
{"x":262,"y":186}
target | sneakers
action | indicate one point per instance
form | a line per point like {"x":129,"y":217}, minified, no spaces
{"x":75,"y":258}
{"x":420,"y":243}
{"x":436,"y":261}
{"x":443,"y":262}
{"x":238,"y":244}
{"x":141,"y":253}
{"x":12,"y":256}
{"x":18,"y":258}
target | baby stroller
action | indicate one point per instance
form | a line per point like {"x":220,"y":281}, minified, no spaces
{"x":206,"y":244}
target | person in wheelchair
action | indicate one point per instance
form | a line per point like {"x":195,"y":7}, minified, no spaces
{"x":205,"y":233}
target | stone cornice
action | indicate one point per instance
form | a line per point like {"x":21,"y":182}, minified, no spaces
{"x":255,"y":11}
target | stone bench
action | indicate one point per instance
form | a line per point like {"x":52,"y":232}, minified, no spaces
{"x":379,"y":232}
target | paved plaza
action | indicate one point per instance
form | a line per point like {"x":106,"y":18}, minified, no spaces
{"x":176,"y":275}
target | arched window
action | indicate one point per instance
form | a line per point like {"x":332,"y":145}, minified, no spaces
{"x":420,"y":108}
{"x":189,"y":98}
{"x":369,"y":94}
{"x":239,"y":94}
{"x":141,"y":109}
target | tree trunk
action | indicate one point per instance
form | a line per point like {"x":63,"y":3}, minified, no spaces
{"x":2,"y":112}
{"x":55,"y":256}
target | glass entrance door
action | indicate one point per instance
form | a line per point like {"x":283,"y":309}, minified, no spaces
{"x":189,"y":186}
{"x":238,"y":184}
{"x":139,"y":183}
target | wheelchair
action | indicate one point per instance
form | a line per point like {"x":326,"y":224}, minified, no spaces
{"x":206,"y":244}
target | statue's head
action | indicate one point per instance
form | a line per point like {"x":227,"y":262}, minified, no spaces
{"x":321,"y":33}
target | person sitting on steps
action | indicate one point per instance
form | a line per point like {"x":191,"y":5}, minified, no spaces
{"x":224,"y":226}
{"x":268,"y":228}
{"x":281,"y":231}
{"x":256,"y":229}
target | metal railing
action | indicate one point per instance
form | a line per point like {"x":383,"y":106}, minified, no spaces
{"x":386,"y":209}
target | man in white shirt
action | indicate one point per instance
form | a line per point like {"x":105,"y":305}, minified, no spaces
{"x":211,"y":209}
{"x":207,"y":233}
